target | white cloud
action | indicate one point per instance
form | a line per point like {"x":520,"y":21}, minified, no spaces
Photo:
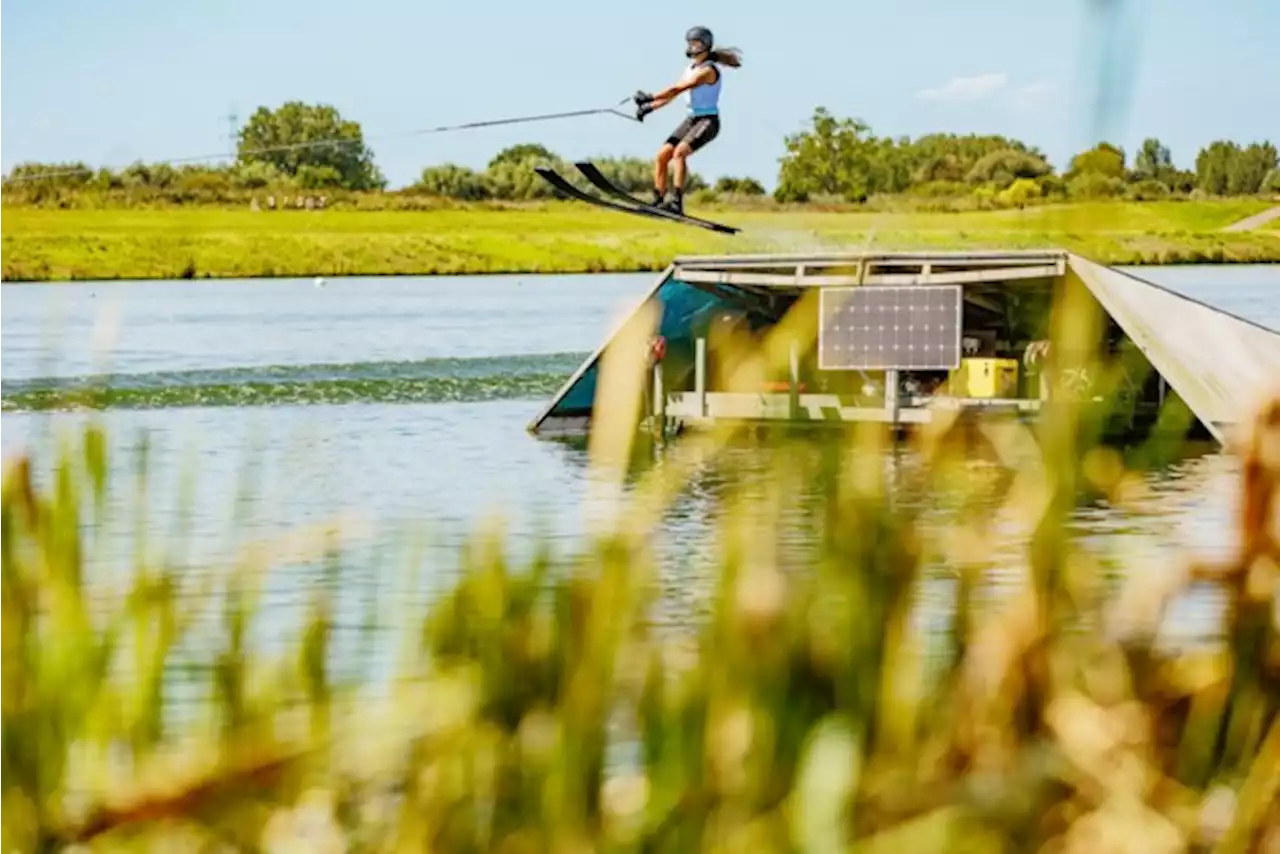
{"x":959,"y":89}
{"x":1029,"y":96}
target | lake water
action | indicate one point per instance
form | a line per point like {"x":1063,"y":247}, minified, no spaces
{"x":406,"y":399}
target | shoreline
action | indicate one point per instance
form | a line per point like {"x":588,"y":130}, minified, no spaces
{"x":283,"y":277}
{"x":134,"y":244}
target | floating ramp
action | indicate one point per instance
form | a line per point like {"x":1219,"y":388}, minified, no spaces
{"x":1218,"y":364}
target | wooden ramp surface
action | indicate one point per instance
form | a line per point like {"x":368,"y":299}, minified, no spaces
{"x":1223,"y":366}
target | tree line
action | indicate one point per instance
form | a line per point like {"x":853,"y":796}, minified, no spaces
{"x":313,"y":148}
{"x":843,"y":159}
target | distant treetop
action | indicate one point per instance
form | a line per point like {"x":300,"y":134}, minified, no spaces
{"x":312,"y":143}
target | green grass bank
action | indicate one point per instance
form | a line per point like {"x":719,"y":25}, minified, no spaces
{"x":41,"y":244}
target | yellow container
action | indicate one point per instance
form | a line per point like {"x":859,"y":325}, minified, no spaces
{"x":987,"y":378}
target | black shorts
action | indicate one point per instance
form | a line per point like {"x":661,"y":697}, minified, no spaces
{"x":695,"y":131}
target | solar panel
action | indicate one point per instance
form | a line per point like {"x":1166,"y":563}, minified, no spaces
{"x":877,"y":327}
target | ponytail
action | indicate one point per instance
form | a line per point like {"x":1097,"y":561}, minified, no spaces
{"x":729,"y":56}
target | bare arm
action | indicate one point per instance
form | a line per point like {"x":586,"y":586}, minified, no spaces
{"x":706,"y":74}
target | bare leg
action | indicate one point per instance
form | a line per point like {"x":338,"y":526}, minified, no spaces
{"x":660,"y":168}
{"x":681,"y":168}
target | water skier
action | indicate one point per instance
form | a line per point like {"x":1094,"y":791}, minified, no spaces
{"x":702,"y":81}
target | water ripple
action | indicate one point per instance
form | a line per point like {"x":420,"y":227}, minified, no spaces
{"x":425,"y":381}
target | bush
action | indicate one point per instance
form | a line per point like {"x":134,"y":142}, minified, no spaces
{"x":137,"y":175}
{"x":515,"y":180}
{"x":255,"y":175}
{"x":451,"y":181}
{"x":1020,"y":193}
{"x":521,"y":153}
{"x":940,"y":190}
{"x":1053,"y":186}
{"x":984,"y":196}
{"x":786,"y":194}
{"x":1095,"y":185}
{"x":312,"y":177}
{"x":1147,"y":190}
{"x":705,"y":196}
{"x":104,"y":180}
{"x":633,"y":174}
{"x":739,"y":186}
{"x":1002,"y":168}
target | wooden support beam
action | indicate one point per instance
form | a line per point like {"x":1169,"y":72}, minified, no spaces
{"x":767,"y":406}
{"x":752,"y":300}
{"x":733,"y":295}
{"x":700,"y":375}
{"x":1010,"y":257}
{"x":659,"y":401}
{"x":791,"y":280}
{"x":983,"y":303}
{"x":891,"y":394}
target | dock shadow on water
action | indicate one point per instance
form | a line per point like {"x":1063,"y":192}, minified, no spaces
{"x":897,"y":644}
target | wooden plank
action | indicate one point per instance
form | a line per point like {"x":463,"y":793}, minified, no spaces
{"x":1010,"y":256}
{"x":776,"y":406}
{"x":945,"y":402}
{"x":772,"y":280}
{"x":851,"y":268}
{"x":792,"y":281}
{"x":820,"y":407}
{"x":954,"y":277}
{"x":1221,"y":365}
{"x":736,"y":405}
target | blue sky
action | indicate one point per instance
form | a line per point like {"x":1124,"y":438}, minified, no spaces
{"x":109,"y":83}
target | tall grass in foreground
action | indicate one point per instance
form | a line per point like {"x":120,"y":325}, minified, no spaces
{"x":808,"y":713}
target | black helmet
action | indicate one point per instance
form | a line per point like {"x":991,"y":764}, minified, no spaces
{"x":701,"y":35}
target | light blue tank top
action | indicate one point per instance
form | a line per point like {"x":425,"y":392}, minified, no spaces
{"x":704,"y":99}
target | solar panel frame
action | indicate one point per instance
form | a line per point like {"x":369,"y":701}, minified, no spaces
{"x":883,"y":297}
